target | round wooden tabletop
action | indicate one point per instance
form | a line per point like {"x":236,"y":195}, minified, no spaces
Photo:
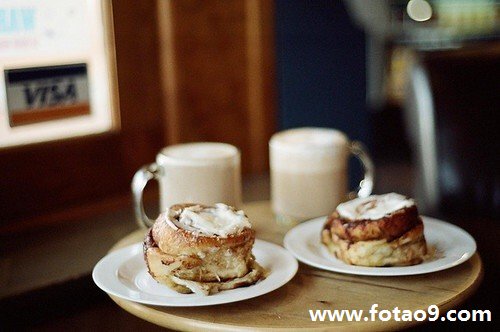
{"x":288,"y":307}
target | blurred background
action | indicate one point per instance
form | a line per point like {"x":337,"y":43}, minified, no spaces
{"x":416,"y":81}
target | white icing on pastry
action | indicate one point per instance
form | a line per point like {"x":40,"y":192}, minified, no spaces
{"x":221,"y":220}
{"x":373,"y":207}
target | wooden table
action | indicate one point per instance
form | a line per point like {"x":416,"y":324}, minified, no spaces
{"x":288,"y":307}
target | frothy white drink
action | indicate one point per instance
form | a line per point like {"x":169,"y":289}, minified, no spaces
{"x":196,"y":153}
{"x":206,"y":173}
{"x":308,"y":171}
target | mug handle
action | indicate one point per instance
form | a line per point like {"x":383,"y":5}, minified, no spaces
{"x":141,"y":178}
{"x":358,"y":150}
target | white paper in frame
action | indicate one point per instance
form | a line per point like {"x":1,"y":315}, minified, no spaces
{"x":57,"y":70}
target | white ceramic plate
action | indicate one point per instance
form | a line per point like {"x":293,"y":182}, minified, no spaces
{"x":453,"y":246}
{"x":123,"y":273}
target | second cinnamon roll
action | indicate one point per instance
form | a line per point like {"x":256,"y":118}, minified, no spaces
{"x":379,"y":230}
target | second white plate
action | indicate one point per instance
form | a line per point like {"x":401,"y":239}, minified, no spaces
{"x":123,"y":273}
{"x":453,"y":246}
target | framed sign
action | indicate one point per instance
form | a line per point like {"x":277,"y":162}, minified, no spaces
{"x":57,"y":70}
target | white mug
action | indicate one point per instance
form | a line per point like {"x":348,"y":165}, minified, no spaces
{"x":205,"y":173}
{"x":309,"y":172}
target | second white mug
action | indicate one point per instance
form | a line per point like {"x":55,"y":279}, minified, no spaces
{"x":309,"y":172}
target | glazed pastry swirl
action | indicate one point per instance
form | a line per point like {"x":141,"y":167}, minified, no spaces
{"x":383,"y":230}
{"x":202,"y":249}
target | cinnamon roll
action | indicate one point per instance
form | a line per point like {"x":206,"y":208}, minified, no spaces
{"x":379,"y":230}
{"x":202,"y":249}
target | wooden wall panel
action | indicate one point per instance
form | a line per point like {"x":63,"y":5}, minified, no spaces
{"x":262,"y":103}
{"x":189,"y":70}
{"x":54,"y":182}
{"x":218,"y":74}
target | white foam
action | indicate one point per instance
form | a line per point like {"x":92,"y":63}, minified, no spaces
{"x":219,"y":220}
{"x":308,"y":138}
{"x":373,"y":207}
{"x":309,"y":150}
{"x":203,"y":152}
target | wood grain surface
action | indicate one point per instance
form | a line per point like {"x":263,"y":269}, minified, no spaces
{"x":217,"y":74}
{"x":287,"y":307}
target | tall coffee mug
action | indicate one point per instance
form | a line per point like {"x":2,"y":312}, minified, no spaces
{"x":309,"y":172}
{"x":206,"y":173}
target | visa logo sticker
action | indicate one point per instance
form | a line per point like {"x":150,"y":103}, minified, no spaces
{"x":46,"y":93}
